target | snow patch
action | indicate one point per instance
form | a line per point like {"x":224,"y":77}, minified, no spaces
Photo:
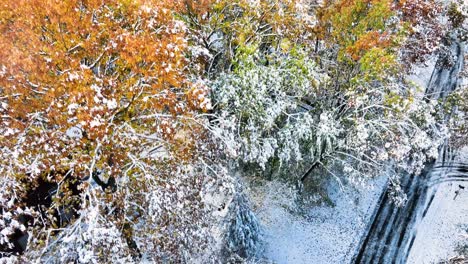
{"x":323,"y":234}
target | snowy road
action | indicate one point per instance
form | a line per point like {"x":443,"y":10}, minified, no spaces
{"x":440,"y":231}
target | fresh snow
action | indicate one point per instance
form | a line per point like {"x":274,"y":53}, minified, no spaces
{"x":323,"y":234}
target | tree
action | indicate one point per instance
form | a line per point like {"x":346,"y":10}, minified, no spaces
{"x":94,"y":70}
{"x":99,"y":92}
{"x":227,"y":28}
{"x":260,"y":109}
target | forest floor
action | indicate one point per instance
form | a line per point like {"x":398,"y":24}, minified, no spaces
{"x":318,"y":234}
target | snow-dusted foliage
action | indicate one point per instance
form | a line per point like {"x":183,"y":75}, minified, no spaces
{"x":91,"y":239}
{"x":156,"y":215}
{"x":123,"y":123}
{"x":260,"y":109}
{"x":243,"y":231}
{"x":287,"y":110}
{"x":394,"y":128}
{"x":104,"y":154}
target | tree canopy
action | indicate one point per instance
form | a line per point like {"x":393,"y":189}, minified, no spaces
{"x":124,"y":124}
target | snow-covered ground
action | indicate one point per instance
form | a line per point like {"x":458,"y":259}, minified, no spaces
{"x":422,"y":74}
{"x":323,"y":234}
